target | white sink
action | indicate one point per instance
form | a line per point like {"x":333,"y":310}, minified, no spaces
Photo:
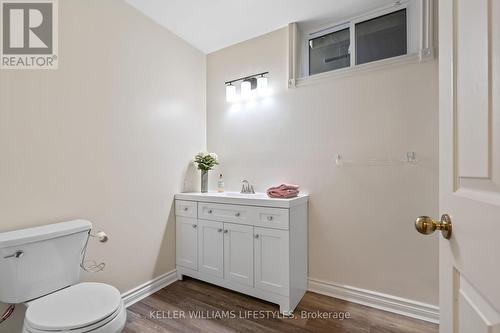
{"x":243,"y":195}
{"x":256,"y":199}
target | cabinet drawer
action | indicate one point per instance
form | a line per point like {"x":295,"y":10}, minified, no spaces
{"x":227,"y":213}
{"x":186,"y":208}
{"x":276,"y":218}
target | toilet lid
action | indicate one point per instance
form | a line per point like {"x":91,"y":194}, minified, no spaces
{"x":73,"y":307}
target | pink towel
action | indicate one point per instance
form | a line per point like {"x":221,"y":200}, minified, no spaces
{"x":284,"y":191}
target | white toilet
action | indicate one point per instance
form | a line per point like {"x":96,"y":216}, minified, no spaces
{"x":41,"y":268}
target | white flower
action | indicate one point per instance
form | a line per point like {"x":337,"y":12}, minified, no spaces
{"x":214,"y":156}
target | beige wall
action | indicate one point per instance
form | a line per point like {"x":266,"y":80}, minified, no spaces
{"x":361,"y":230}
{"x":107,"y":137}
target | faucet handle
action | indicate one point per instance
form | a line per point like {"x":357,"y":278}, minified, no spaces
{"x":246,"y":187}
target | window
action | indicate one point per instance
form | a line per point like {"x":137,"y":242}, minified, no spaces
{"x":330,"y":52}
{"x":387,"y":32}
{"x":382,"y":37}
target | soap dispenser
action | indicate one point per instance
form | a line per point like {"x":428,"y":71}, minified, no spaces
{"x":220,"y":184}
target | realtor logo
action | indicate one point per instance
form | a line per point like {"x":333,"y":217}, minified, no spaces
{"x":29,"y":34}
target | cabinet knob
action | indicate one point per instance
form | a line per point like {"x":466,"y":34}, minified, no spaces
{"x":226,"y":231}
{"x":256,"y":236}
{"x":185,"y":209}
{"x":219,"y":230}
{"x":237,"y":214}
{"x":210,"y":211}
{"x":195,"y":226}
{"x":269,"y":218}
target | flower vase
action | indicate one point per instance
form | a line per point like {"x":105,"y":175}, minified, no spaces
{"x":204,"y":181}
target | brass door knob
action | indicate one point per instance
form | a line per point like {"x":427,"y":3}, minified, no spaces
{"x":425,"y":225}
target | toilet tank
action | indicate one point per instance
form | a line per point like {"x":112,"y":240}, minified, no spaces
{"x":38,"y":261}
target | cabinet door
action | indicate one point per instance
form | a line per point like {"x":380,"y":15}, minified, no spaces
{"x":186,"y":242}
{"x":210,"y":247}
{"x":238,"y":254}
{"x":271,"y":260}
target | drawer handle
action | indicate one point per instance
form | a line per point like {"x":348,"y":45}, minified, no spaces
{"x":237,"y":214}
{"x":195,"y":226}
{"x":226,"y":231}
{"x":210,"y":211}
{"x":219,"y":230}
{"x":256,"y":236}
{"x":186,"y":209}
{"x":269,"y":218}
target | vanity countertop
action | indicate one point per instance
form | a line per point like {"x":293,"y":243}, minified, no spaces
{"x":235,"y":198}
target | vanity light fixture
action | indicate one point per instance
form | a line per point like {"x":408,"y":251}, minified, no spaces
{"x":262,"y":85}
{"x":250,"y":86}
{"x":246,"y":90}
{"x":230,"y":93}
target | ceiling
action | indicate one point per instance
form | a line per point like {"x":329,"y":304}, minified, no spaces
{"x":210,"y":25}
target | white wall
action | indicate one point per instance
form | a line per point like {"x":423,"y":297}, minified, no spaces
{"x":107,"y":137}
{"x":361,"y":218}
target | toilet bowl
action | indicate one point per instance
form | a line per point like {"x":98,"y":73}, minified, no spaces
{"x":84,"y":307}
{"x":41,"y":268}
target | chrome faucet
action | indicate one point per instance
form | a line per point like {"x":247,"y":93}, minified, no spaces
{"x":246,"y":188}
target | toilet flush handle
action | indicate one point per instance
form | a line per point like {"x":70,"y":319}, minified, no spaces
{"x":17,"y":254}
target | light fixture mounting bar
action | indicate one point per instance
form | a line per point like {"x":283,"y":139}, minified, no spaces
{"x":246,"y":77}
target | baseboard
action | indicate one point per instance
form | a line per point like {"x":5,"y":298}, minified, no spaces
{"x":148,"y":288}
{"x":377,"y":300}
{"x":390,"y":303}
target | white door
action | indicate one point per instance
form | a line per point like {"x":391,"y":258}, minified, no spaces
{"x":469,"y":76}
{"x":238,"y":254}
{"x":271,"y":260}
{"x":210,"y":247}
{"x":186,"y":242}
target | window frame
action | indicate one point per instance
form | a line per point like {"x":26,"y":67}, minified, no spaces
{"x":413,"y":21}
{"x":324,"y":32}
{"x":408,"y":34}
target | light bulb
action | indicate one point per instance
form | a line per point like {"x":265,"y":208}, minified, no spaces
{"x":262,"y":85}
{"x":246,"y":90}
{"x":230,"y":93}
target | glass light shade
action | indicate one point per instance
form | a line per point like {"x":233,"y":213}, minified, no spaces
{"x":246,"y":90}
{"x":262,"y":85}
{"x":230,"y":93}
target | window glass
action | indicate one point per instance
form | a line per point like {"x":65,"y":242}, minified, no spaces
{"x":329,"y":52}
{"x":382,"y":37}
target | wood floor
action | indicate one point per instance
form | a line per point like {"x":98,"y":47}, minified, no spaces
{"x":195,"y":306}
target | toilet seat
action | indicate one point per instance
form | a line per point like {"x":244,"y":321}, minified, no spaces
{"x":84,"y":307}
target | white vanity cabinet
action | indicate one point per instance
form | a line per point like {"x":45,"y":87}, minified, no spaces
{"x":239,"y":254}
{"x":211,"y":248}
{"x":249,"y":243}
{"x":186,"y":236}
{"x":272,"y":260}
